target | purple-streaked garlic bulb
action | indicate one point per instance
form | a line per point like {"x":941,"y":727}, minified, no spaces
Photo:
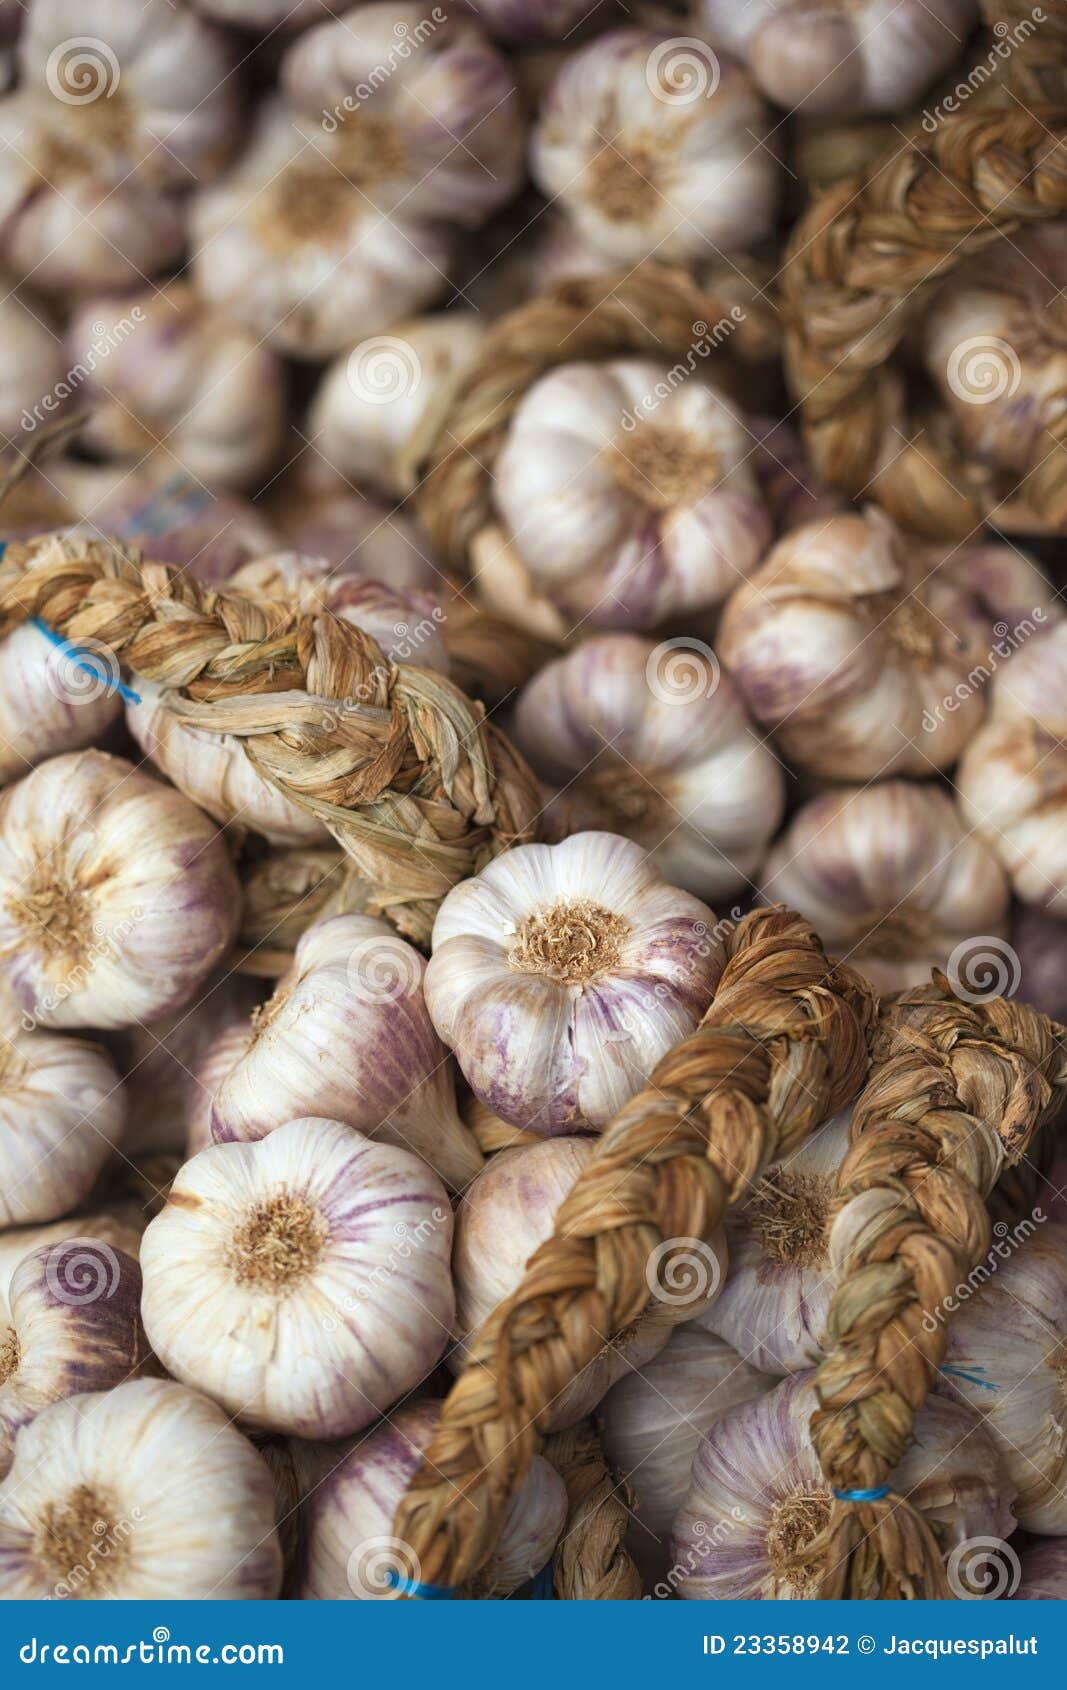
{"x":866,"y":652}
{"x":221,"y":1055}
{"x":1043,"y":1572}
{"x":166,"y":374}
{"x":33,"y":388}
{"x":653,"y":741}
{"x":1039,"y":940}
{"x":120,"y":1229}
{"x":52,"y":699}
{"x":758,"y":1497}
{"x":1012,"y":779}
{"x":117,"y":897}
{"x":841,"y":56}
{"x":895,"y":882}
{"x":1007,"y":1357}
{"x":653,"y":146}
{"x":285,"y":244}
{"x":652,"y":1422}
{"x":133,"y":1494}
{"x":441,"y":134}
{"x":62,"y":1110}
{"x":348,"y":1518}
{"x":70,"y":1322}
{"x":347,"y":1034}
{"x":321,"y":515}
{"x":626,"y":497}
{"x":562,"y":973}
{"x":374,"y":411}
{"x":301,"y":1281}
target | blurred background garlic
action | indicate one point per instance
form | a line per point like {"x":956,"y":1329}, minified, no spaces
{"x":892,"y":880}
{"x":301,"y":1281}
{"x":62,"y":1109}
{"x":653,"y":146}
{"x":30,"y":394}
{"x":626,"y":496}
{"x":562,"y":973}
{"x":116,"y":894}
{"x":48,"y":702}
{"x":263,"y":15}
{"x":653,"y":741}
{"x":867,"y":653}
{"x":71,"y":1323}
{"x":1043,"y":1572}
{"x":758,"y":1496}
{"x":524,"y":21}
{"x":794,"y":490}
{"x":1039,"y":940}
{"x":351,"y":1552}
{"x":853,"y":56}
{"x":347,"y":1034}
{"x":321,"y":514}
{"x":166,"y":374}
{"x":134,"y":1494}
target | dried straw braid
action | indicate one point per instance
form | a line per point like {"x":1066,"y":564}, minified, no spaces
{"x":591,"y":1563}
{"x":957,"y":1091}
{"x":405,"y":770}
{"x":860,"y":268}
{"x":783,"y":1046}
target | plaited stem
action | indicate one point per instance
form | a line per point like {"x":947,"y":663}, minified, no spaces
{"x":783,"y":1046}
{"x":591,"y":1563}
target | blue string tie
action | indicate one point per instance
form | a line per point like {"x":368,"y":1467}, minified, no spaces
{"x":422,"y":1592}
{"x":874,"y":1495}
{"x":541,"y":1588}
{"x":972,"y":1378}
{"x":89,"y":663}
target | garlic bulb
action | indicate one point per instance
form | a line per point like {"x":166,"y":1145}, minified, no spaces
{"x":439,"y":134}
{"x":1043,"y":1572}
{"x":758,"y":1496}
{"x":284,"y":893}
{"x":286,"y":245}
{"x":794,"y":490}
{"x":1039,"y":940}
{"x":350,"y":1549}
{"x":72,"y":1323}
{"x":320,"y":515}
{"x":62,"y":1109}
{"x":348,"y":1035}
{"x":653,"y":146}
{"x":562,"y":973}
{"x":264,"y":16}
{"x":893,"y":881}
{"x":302,"y":1281}
{"x":119,"y":1229}
{"x":866,"y":653}
{"x":31,"y":387}
{"x":136,"y":1493}
{"x":167,"y":374}
{"x":375,"y":406}
{"x":1011,"y":779}
{"x":850,"y":56}
{"x":49,"y":701}
{"x":627,"y":495}
{"x":116,"y":894}
{"x":654,"y":742}
{"x":221,"y":1055}
{"x":523,"y":21}
{"x":1007,"y":1357}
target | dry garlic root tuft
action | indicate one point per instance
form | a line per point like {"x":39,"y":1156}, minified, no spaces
{"x":62,"y":1109}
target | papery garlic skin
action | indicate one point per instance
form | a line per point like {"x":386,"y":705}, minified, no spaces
{"x":186,"y":1503}
{"x":351,"y":1552}
{"x":836,"y":56}
{"x":62,"y":1110}
{"x":441,"y":134}
{"x":653,"y":146}
{"x":655,"y":743}
{"x":116,"y":894}
{"x":562,"y":973}
{"x":892,"y":880}
{"x":72,"y":1323}
{"x":1043,"y":1572}
{"x":47,"y":703}
{"x":627,"y":494}
{"x":348,"y":1035}
{"x":33,"y":366}
{"x":301,"y":1281}
{"x":758,"y":1495}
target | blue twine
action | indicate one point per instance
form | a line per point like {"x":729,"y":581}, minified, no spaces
{"x":972,"y":1377}
{"x":3,"y":547}
{"x":86,"y":664}
{"x":874,"y":1495}
{"x":541,"y":1588}
{"x":412,"y":1587}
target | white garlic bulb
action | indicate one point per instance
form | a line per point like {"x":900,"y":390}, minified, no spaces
{"x":866,"y":653}
{"x":51,"y":699}
{"x":653,"y":145}
{"x":62,"y":1109}
{"x":347,"y":1034}
{"x":70,"y":1322}
{"x":654,"y":742}
{"x":562,"y":973}
{"x":627,"y":495}
{"x":892,"y":880}
{"x":351,"y":1551}
{"x":116,"y":894}
{"x":32,"y":389}
{"x":376,"y":406}
{"x":1043,"y":1572}
{"x":862,"y":56}
{"x":221,"y":1055}
{"x":286,"y":245}
{"x":758,"y":1496}
{"x":302,"y":1281}
{"x":165,"y":373}
{"x":1007,"y":1357}
{"x":440,"y":134}
{"x":137,"y":1493}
